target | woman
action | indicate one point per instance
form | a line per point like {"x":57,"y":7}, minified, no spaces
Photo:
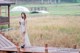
{"x":25,"y":39}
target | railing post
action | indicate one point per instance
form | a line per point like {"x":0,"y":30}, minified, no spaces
{"x":18,"y":49}
{"x":46,"y":48}
{"x":0,"y":10}
{"x":75,"y":46}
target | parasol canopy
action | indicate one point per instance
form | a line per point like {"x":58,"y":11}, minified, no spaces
{"x":20,"y":9}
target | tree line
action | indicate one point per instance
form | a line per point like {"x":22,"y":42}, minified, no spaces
{"x":67,"y":1}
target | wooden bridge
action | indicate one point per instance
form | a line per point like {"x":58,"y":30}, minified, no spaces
{"x":6,"y":46}
{"x":37,"y":8}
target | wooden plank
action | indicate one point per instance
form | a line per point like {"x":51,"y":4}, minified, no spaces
{"x":6,"y":45}
{"x":2,"y":43}
{"x":11,"y":47}
{"x":4,"y":23}
{"x":14,"y":49}
{"x":50,"y":50}
{"x":42,"y":50}
{"x":46,"y":48}
{"x":3,"y":20}
{"x":5,"y":42}
{"x":3,"y":52}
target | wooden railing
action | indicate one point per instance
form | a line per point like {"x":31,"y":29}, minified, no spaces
{"x":37,"y":8}
{"x":4,"y":20}
{"x":46,"y":48}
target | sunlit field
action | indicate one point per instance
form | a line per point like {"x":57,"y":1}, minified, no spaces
{"x":57,"y":31}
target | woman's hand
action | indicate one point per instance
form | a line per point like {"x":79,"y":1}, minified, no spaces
{"x":20,"y":23}
{"x":24,"y":32}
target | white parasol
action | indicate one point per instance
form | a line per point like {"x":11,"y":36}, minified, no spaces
{"x":20,"y":9}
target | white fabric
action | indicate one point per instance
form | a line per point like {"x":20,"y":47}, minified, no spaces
{"x":23,"y":29}
{"x":27,"y":41}
{"x":22,"y":25}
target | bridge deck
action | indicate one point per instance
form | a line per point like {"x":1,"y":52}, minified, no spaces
{"x":50,"y":50}
{"x":42,"y":50}
{"x":7,"y":45}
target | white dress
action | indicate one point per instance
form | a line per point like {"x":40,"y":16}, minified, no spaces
{"x":22,"y":25}
{"x":23,"y":29}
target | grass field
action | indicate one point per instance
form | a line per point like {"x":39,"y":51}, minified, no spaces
{"x":59,"y":28}
{"x":57,"y":31}
{"x":56,"y":9}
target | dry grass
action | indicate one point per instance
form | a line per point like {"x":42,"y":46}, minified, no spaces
{"x":57,"y":31}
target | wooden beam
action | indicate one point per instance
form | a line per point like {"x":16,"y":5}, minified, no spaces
{"x":0,"y":10}
{"x":18,"y":48}
{"x":46,"y":48}
{"x":74,"y":46}
{"x":9,"y":15}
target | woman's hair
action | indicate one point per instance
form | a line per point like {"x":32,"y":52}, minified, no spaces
{"x":24,"y":15}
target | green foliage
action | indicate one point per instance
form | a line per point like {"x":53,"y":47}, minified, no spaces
{"x":78,"y":1}
{"x":3,"y":26}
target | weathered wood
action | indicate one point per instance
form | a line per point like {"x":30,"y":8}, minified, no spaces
{"x":9,"y":16}
{"x":5,"y":3}
{"x":3,"y":52}
{"x":74,"y":46}
{"x":4,"y":20}
{"x":37,"y":8}
{"x":4,"y":42}
{"x":7,"y":37}
{"x":0,"y":10}
{"x":46,"y":48}
{"x":6,"y":45}
{"x":18,"y":49}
